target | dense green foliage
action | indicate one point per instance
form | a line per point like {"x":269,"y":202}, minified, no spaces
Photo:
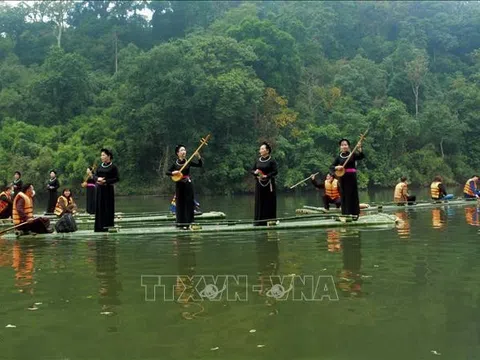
{"x":76,"y":76}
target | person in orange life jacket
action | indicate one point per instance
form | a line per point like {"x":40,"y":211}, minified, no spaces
{"x":332,"y":191}
{"x":65,"y":203}
{"x":23,"y":213}
{"x":438,"y":190}
{"x":470,"y":190}
{"x":6,"y":202}
{"x":17,"y":183}
{"x":184,"y":192}
{"x":401,"y":194}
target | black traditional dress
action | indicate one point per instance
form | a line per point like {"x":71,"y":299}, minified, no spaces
{"x":17,"y":186}
{"x":52,"y":187}
{"x":348,"y":182}
{"x":90,"y":208}
{"x":184,"y":194}
{"x":105,"y":197}
{"x":265,"y":190}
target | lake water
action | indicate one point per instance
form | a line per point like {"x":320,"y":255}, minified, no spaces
{"x":411,"y":292}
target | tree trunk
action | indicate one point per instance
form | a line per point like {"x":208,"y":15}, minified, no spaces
{"x":59,"y":36}
{"x":441,"y":148}
{"x":415,"y":92}
{"x":164,"y":168}
{"x":116,"y":53}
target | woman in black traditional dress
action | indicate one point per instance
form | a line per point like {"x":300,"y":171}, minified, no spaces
{"x":348,"y":182}
{"x":89,"y":184}
{"x":52,"y":186}
{"x":105,"y":176}
{"x":184,"y":195}
{"x":17,"y":183}
{"x":265,"y":170}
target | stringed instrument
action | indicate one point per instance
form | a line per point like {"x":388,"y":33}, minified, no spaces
{"x":179,"y":176}
{"x":84,"y":183}
{"x":341,"y":172}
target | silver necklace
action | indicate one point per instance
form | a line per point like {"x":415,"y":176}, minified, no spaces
{"x":260,"y":158}
{"x":103,"y":165}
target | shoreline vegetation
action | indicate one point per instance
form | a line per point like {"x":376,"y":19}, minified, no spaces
{"x":79,"y":76}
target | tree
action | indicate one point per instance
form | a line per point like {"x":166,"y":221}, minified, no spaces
{"x":416,"y":72}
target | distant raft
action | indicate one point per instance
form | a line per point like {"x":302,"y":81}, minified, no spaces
{"x":374,"y":220}
{"x":306,"y":210}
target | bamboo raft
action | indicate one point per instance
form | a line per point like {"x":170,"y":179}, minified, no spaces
{"x":376,"y":220}
{"x":133,"y":218}
{"x":306,"y":210}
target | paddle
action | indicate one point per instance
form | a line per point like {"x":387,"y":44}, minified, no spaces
{"x":12,"y":228}
{"x":301,"y":182}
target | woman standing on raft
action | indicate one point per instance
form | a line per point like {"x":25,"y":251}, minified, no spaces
{"x":348,"y":182}
{"x":265,"y":170}
{"x":89,"y":184}
{"x":184,"y":195}
{"x":105,"y":176}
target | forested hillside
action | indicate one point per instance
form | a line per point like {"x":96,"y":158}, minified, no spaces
{"x":78,"y":76}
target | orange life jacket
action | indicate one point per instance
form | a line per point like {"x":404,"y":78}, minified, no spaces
{"x":331,"y":189}
{"x":434,"y":190}
{"x":28,"y":209}
{"x":62,"y":204}
{"x":467,"y":190}
{"x":4,"y":204}
{"x":400,"y":193}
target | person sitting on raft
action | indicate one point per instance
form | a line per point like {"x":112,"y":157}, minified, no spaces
{"x":470,"y":190}
{"x":401,"y":195}
{"x":23,"y":213}
{"x":6,"y":202}
{"x":438,"y":190}
{"x":332,"y":192}
{"x":173,"y":206}
{"x":65,"y":203}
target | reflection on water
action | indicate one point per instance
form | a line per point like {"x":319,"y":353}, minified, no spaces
{"x":388,"y":289}
{"x":439,"y":218}
{"x":107,"y":273}
{"x":472,"y":216}
{"x":184,"y":288}
{"x":350,"y":277}
{"x":333,"y":241}
{"x":23,"y":262}
{"x":268,"y":265}
{"x":403,"y":226}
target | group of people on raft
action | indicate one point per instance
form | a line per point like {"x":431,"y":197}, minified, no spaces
{"x":17,"y":199}
{"x":402,"y":196}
